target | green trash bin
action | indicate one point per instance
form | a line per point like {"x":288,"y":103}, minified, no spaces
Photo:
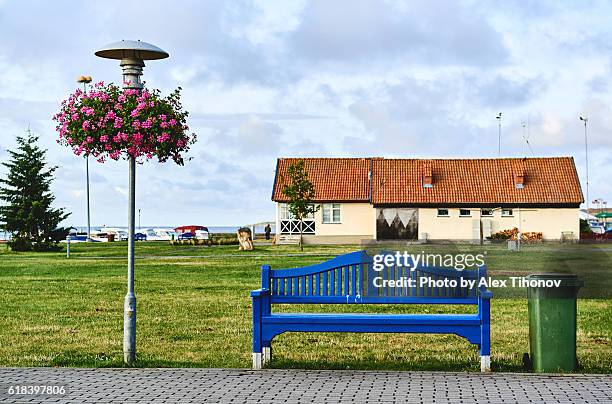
{"x":552,"y":321}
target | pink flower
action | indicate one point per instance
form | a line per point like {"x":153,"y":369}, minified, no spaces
{"x":118,"y":122}
{"x":103,"y":138}
{"x":86,"y":125}
{"x":163,"y":137}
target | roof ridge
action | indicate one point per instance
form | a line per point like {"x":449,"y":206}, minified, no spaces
{"x":429,"y":158}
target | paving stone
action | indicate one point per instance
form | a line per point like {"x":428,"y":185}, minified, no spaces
{"x":301,"y":386}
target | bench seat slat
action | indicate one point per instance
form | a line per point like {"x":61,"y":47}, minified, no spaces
{"x":358,"y":318}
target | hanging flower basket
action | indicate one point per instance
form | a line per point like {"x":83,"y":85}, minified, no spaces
{"x":110,"y":122}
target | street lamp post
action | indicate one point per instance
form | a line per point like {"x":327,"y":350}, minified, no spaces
{"x":586,"y":155}
{"x":85,"y":80}
{"x":132,"y":55}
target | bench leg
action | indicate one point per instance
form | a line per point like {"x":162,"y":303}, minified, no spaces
{"x":485,"y":363}
{"x":257,"y":360}
{"x":267,"y":354}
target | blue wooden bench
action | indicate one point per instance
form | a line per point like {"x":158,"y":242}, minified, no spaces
{"x":348,"y":279}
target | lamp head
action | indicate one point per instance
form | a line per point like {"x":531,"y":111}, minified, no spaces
{"x":84,"y":79}
{"x":131,"y":49}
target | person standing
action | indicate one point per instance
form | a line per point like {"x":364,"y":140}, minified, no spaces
{"x":267,"y":231}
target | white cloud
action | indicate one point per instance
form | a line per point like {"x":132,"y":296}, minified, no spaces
{"x":312,"y":78}
{"x":121,"y":191}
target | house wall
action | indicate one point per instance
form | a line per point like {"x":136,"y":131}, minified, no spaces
{"x":550,"y":221}
{"x":453,"y":227}
{"x":358,"y":221}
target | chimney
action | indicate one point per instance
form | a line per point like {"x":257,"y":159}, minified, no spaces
{"x":427,"y":176}
{"x":519,"y":178}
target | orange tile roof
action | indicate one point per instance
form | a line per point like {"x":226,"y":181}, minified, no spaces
{"x":547,"y":181}
{"x":334,"y":179}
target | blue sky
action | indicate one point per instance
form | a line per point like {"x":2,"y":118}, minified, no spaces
{"x":321,"y":78}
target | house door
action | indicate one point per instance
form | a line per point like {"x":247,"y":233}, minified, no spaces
{"x":397,"y":223}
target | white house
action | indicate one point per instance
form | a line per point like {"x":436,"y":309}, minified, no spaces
{"x":434,"y":199}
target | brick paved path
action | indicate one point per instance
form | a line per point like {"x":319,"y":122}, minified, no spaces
{"x":294,"y":386}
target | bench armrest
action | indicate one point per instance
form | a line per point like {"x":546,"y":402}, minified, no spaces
{"x":485,"y":294}
{"x":260,"y":292}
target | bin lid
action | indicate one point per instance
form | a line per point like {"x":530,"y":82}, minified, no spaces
{"x":566,"y":279}
{"x":552,"y":275}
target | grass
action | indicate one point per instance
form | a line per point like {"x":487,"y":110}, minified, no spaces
{"x":194,"y":310}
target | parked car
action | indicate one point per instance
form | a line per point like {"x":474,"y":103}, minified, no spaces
{"x":140,"y":237}
{"x":185,"y":236}
{"x":202,"y":234}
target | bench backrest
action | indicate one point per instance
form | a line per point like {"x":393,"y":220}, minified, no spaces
{"x":349,"y":279}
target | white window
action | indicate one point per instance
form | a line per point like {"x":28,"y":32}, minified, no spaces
{"x":465,"y":213}
{"x":507,"y":212}
{"x":486,"y":212}
{"x":443,"y":212}
{"x":331,"y":213}
{"x":285,"y":214}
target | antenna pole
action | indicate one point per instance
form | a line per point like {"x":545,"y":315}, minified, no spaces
{"x":498,"y":117}
{"x":586,"y":154}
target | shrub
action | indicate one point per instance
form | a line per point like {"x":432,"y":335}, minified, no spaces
{"x":20,"y":244}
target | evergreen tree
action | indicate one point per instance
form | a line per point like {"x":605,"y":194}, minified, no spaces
{"x":26,"y":210}
{"x":300,"y":192}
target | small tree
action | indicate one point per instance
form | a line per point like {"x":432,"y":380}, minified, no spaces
{"x":27,"y":213}
{"x":300,"y":193}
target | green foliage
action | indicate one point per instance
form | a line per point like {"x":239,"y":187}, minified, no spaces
{"x":300,"y":193}
{"x":27,"y":212}
{"x":584,"y":227}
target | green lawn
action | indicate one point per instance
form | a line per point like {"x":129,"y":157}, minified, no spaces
{"x":194,"y":310}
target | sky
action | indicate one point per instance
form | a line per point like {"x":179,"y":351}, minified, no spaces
{"x":269,"y":79}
